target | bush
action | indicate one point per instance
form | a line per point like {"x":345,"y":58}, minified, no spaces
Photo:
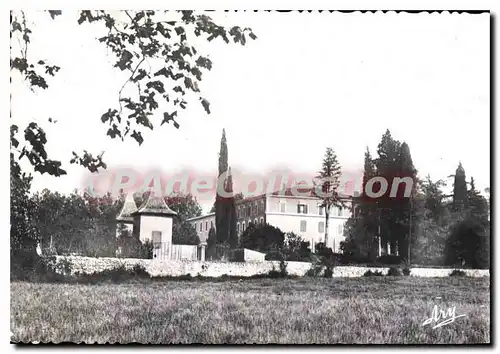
{"x":118,"y":274}
{"x":458,"y":273}
{"x":376,"y":273}
{"x":394,"y":272}
{"x":406,"y":271}
{"x":389,"y":259}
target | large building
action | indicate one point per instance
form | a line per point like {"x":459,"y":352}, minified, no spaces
{"x":302,"y":215}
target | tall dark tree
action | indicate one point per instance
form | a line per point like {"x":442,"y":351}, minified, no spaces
{"x":469,"y":240}
{"x":388,"y":167}
{"x":231,"y":212}
{"x":361,"y":228}
{"x":329,"y":179}
{"x":221,"y":201}
{"x":460,"y":201}
{"x":405,"y":210}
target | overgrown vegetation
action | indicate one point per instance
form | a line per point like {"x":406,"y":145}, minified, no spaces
{"x":457,"y":273}
{"x":394,"y":272}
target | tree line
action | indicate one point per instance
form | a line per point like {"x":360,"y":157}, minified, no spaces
{"x":427,"y":228}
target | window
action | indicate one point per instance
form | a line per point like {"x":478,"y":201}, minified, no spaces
{"x":303,"y":226}
{"x":256,"y":221}
{"x":301,"y":209}
{"x":321,"y":210}
{"x":211,"y":223}
{"x":340,"y":229}
{"x":248,"y":210}
{"x":237,"y":227}
{"x":282,"y":207}
{"x":261,"y":220}
{"x":206,"y":225}
{"x":340,"y":211}
{"x":321,"y":227}
{"x":156,"y":238}
{"x":243,"y":226}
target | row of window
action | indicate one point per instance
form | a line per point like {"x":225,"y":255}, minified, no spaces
{"x":244,"y":211}
{"x":243,"y":225}
{"x":199,"y":227}
{"x":303,"y":209}
{"x":321,"y":227}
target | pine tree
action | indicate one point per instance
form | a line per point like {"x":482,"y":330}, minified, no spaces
{"x":329,"y":176}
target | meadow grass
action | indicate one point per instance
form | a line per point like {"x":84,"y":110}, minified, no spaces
{"x":305,"y":310}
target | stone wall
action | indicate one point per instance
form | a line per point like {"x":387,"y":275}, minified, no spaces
{"x":155,"y":268}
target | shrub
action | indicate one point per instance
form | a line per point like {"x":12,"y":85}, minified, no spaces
{"x":406,"y":271}
{"x":117,"y":274}
{"x":316,"y":268}
{"x":458,"y":272}
{"x":394,"y":272}
{"x":376,"y":273}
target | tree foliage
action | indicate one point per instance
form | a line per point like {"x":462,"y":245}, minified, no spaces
{"x":154,"y":49}
{"x":262,"y":237}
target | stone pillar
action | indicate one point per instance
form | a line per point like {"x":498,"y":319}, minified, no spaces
{"x":203,"y":246}
{"x":379,"y":246}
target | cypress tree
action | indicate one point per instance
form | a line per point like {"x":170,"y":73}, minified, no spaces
{"x":222,"y":203}
{"x":387,"y":165}
{"x":406,"y":209}
{"x":460,"y":201}
{"x":231,"y":212}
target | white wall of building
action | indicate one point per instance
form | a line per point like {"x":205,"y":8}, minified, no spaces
{"x":282,"y":212}
{"x":202,"y":225}
{"x":155,"y":223}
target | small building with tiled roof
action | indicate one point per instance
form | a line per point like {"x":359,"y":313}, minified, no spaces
{"x":153,"y":221}
{"x":125,"y":216}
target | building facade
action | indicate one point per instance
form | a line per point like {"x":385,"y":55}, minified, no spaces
{"x":301,"y":215}
{"x":202,"y":225}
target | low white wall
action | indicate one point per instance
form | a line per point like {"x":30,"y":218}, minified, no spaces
{"x":251,"y":255}
{"x":89,"y":265}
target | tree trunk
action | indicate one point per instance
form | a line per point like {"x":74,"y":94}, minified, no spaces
{"x":327,"y":218}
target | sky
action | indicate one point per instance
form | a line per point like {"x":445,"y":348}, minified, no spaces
{"x":308,"y":82}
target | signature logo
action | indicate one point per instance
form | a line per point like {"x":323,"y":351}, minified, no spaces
{"x":442,"y":317}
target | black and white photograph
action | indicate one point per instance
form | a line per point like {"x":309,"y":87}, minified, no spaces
{"x":250,"y":177}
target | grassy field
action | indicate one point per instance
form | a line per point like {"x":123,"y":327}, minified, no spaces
{"x":306,"y":310}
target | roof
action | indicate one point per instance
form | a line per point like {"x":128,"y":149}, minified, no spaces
{"x":129,"y":207}
{"x":156,"y":206}
{"x":201,"y":217}
{"x":304,"y":193}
